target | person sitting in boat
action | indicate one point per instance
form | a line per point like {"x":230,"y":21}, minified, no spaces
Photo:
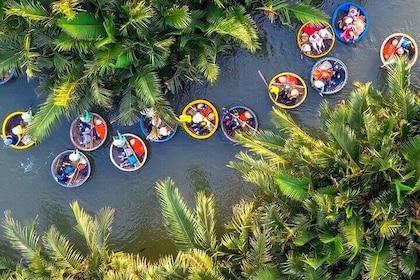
{"x":11,"y":139}
{"x":83,"y":167}
{"x":66,"y":172}
{"x":165,"y":131}
{"x":27,"y":118}
{"x":137,"y":146}
{"x":99,"y":129}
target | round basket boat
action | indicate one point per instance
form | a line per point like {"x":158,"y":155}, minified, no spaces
{"x":238,"y":119}
{"x":329,"y":75}
{"x":200,"y":119}
{"x":128,"y":152}
{"x":7,"y":76}
{"x":350,"y":22}
{"x":287,"y":90}
{"x":71,"y":168}
{"x":88,"y":134}
{"x":155,"y":128}
{"x":397,"y":45}
{"x":316,"y":41}
{"x":13,"y":130}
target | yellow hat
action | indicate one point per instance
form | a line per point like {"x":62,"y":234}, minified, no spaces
{"x":274,"y":89}
{"x":18,"y":130}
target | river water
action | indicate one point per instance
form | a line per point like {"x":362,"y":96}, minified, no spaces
{"x":28,"y":190}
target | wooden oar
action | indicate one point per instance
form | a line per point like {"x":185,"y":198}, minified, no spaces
{"x":263,"y":78}
{"x":240,"y":121}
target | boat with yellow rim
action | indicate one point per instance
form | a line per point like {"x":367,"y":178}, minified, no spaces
{"x":200,"y":119}
{"x":14,"y":130}
{"x":316,"y":40}
{"x":287,"y":90}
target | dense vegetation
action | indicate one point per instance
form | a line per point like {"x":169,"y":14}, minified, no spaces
{"x":126,"y":56}
{"x":341,"y":203}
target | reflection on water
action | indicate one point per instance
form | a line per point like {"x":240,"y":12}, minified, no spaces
{"x":27,"y":188}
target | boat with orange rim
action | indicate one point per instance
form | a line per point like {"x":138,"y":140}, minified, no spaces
{"x":14,"y":130}
{"x":88,"y":132}
{"x":287,"y":90}
{"x":397,"y":45}
{"x":200,"y":119}
{"x":315,"y":40}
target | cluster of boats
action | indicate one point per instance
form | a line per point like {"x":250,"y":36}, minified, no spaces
{"x":128,"y":151}
{"x":329,"y":75}
{"x":200,"y":118}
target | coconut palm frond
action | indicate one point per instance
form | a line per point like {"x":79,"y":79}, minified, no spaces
{"x":177,"y":17}
{"x":102,"y":222}
{"x":46,"y":118}
{"x":206,"y":222}
{"x":350,"y":273}
{"x":398,"y":79}
{"x":411,"y":152}
{"x":138,"y":16}
{"x":346,"y":139}
{"x":83,"y":26}
{"x":27,"y":9}
{"x":61,"y":63}
{"x":65,"y":43}
{"x":158,"y":50}
{"x":24,"y":238}
{"x":266,"y":273}
{"x":202,"y":264}
{"x":178,"y":218}
{"x":307,"y":14}
{"x":62,"y":251}
{"x":376,"y":262}
{"x":265,"y":143}
{"x":68,"y":8}
{"x":294,"y":188}
{"x":100,"y":95}
{"x":242,"y":222}
{"x":353,"y":233}
{"x":9,"y":59}
{"x":7,"y":264}
{"x":207,"y":65}
{"x":259,"y":254}
{"x":85,"y":225}
{"x":240,"y":26}
{"x":147,"y":86}
{"x":128,"y":109}
{"x":407,"y":264}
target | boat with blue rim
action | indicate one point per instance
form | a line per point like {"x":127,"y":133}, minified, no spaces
{"x":71,"y":168}
{"x":329,"y":75}
{"x":236,"y":119}
{"x":157,"y":127}
{"x":350,"y":22}
{"x":7,"y":76}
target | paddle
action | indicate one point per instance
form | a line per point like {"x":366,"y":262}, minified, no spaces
{"x":263,"y":78}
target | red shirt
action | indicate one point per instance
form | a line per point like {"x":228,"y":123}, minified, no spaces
{"x":137,"y":147}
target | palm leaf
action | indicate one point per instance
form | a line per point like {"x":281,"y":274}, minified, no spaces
{"x":84,"y":26}
{"x":65,"y":43}
{"x":138,"y":16}
{"x":27,"y":9}
{"x":63,"y":253}
{"x":408,"y":264}
{"x":350,"y":273}
{"x":147,"y":86}
{"x":240,"y":26}
{"x":376,"y":262}
{"x":353,"y":232}
{"x":178,"y":218}
{"x":258,"y":256}
{"x":177,"y":17}
{"x":307,"y":14}
{"x":201,"y":265}
{"x":100,"y":95}
{"x":22,"y":238}
{"x":66,"y":7}
{"x":266,"y":273}
{"x":103,"y":221}
{"x":293,"y":188}
{"x":85,"y":224}
{"x":128,"y":109}
{"x":206,"y":222}
{"x":207,"y":65}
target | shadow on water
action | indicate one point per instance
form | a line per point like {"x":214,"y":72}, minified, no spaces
{"x":27,"y":188}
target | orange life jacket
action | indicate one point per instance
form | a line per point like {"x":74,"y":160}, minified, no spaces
{"x":100,"y":130}
{"x":137,"y":147}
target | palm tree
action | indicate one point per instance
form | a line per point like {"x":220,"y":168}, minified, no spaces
{"x":343,"y":202}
